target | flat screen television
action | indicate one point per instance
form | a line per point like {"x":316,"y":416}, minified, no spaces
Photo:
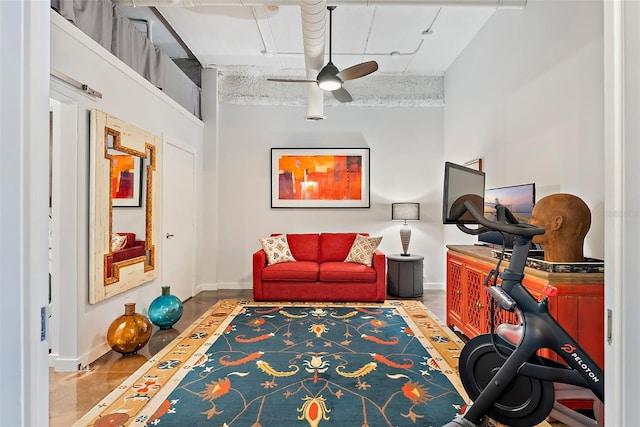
{"x":460,"y":184}
{"x":519,"y":199}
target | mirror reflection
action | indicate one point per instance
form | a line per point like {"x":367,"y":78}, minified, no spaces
{"x":123,"y":231}
{"x":129,"y":218}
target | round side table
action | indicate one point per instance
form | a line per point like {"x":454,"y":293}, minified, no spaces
{"x":404,"y":275}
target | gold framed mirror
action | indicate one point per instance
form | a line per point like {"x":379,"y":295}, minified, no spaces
{"x":124,"y":227}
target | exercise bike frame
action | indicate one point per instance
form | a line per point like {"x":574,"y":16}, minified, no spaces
{"x":538,"y":330}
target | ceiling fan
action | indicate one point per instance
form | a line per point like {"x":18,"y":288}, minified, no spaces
{"x":331,"y":79}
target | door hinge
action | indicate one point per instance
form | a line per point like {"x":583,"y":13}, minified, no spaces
{"x":609,"y":326}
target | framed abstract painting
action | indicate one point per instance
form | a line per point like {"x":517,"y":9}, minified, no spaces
{"x":126,"y":179}
{"x":320,"y":178}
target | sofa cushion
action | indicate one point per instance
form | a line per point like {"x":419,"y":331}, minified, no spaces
{"x":339,"y":271}
{"x":304,"y":247}
{"x":277,"y":249}
{"x":291,"y":271}
{"x":131,"y":239}
{"x":335,"y":246}
{"x":118,"y":241}
{"x":362,"y":250}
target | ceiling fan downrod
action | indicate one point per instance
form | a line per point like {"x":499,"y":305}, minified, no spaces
{"x":328,"y":77}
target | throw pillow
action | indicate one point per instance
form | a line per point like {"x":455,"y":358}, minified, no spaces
{"x":117,"y":242}
{"x":362,"y":249}
{"x":277,"y":249}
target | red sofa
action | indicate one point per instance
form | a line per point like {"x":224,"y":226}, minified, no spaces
{"x":132,"y":249}
{"x":319,"y":272}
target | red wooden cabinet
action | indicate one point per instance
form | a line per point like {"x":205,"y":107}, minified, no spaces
{"x":578,"y":306}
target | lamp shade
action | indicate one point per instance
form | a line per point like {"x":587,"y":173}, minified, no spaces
{"x":405,"y":211}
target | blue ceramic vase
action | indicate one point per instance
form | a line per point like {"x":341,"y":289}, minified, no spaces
{"x":165,"y":310}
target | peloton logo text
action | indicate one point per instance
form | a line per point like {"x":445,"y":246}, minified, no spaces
{"x":570,"y":349}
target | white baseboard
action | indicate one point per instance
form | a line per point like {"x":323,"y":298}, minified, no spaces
{"x":199,"y":288}
{"x":52,"y":359}
{"x":65,"y":365}
{"x":87,"y":358}
{"x":223,"y":285}
{"x":235,"y":285}
{"x":434,"y":286}
{"x":240,"y":285}
{"x":60,"y":364}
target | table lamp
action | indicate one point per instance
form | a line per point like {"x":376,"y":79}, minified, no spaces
{"x":405,"y":212}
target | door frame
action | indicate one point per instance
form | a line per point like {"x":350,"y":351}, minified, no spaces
{"x":64,"y":266}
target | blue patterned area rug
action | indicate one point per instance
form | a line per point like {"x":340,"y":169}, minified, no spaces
{"x":275,"y":364}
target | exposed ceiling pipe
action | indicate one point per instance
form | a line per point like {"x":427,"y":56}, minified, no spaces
{"x":497,"y":4}
{"x":314,"y":32}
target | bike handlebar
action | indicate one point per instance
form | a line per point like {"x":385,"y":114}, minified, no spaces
{"x":511,"y":224}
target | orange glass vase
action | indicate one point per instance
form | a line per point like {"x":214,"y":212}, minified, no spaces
{"x":129,"y":332}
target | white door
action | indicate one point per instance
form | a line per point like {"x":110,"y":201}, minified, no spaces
{"x":179,"y":213}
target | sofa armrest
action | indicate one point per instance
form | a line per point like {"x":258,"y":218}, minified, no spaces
{"x":380,"y":265}
{"x":259,"y":263}
{"x":379,"y":261}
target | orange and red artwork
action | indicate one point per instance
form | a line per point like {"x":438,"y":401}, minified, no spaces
{"x":305,"y":178}
{"x":125,"y":180}
{"x":122,"y":176}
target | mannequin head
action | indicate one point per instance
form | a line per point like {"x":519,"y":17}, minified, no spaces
{"x":566,"y":219}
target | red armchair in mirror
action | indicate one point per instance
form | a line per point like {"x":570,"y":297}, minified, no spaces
{"x":124,"y":246}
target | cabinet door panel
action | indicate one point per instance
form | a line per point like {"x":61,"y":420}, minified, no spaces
{"x":476,"y":299}
{"x":455,"y":298}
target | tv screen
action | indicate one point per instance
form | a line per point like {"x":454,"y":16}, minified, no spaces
{"x":519,"y":199}
{"x":461,"y":184}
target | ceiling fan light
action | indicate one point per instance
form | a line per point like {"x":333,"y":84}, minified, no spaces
{"x":330,"y":83}
{"x":328,"y":78}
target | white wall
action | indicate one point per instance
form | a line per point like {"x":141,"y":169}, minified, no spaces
{"x":526,"y":95}
{"x":406,"y":165}
{"x":129,"y":97}
{"x":210,"y":181}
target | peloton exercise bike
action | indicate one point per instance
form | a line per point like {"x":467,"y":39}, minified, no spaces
{"x":502,"y":374}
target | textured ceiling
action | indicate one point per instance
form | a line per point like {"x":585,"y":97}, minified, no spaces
{"x":413,"y":42}
{"x":245,"y":85}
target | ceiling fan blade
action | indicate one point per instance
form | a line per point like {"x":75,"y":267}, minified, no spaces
{"x":292,"y":80}
{"x":358,"y":70}
{"x":342,"y":95}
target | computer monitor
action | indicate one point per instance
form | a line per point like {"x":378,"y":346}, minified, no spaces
{"x":519,"y":199}
{"x":461,"y":184}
